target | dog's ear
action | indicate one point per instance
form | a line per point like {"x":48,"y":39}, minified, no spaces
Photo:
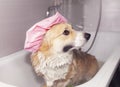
{"x":44,"y":46}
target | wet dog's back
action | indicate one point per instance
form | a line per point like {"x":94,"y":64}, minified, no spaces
{"x":83,"y":67}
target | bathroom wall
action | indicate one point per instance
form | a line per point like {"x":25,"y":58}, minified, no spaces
{"x":110,"y":15}
{"x":109,"y":34}
{"x":16,"y":17}
{"x":74,"y":11}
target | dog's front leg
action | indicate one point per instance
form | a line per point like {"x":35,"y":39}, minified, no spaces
{"x":62,"y":83}
{"x":49,"y":84}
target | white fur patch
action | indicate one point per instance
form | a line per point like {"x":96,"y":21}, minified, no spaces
{"x":54,"y":67}
{"x":80,"y":39}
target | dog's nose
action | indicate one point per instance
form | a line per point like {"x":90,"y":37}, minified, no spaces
{"x":87,"y":36}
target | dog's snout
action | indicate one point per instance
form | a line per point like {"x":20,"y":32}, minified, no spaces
{"x":87,"y":36}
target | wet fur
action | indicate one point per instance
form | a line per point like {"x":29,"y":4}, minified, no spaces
{"x":81,"y":66}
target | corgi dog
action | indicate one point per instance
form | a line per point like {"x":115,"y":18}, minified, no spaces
{"x":59,"y":59}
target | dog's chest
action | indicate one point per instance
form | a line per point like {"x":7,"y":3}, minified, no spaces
{"x":55,"y":67}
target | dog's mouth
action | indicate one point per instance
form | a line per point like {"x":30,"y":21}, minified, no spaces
{"x":79,"y":41}
{"x":67,"y":47}
{"x":70,"y":48}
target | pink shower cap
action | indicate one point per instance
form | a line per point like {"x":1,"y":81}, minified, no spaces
{"x":35,"y":34}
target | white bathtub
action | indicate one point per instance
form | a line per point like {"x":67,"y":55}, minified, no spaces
{"x":16,"y":69}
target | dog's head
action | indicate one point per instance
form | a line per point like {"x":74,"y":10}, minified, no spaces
{"x":62,"y":37}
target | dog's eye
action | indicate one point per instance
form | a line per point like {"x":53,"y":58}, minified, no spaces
{"x":66,"y":32}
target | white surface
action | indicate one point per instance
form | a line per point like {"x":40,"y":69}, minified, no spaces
{"x":5,"y":85}
{"x":104,"y":44}
{"x":16,"y":69}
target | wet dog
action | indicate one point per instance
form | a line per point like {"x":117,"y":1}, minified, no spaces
{"x":59,"y":60}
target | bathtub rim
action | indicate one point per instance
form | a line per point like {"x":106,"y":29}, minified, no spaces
{"x":5,"y":85}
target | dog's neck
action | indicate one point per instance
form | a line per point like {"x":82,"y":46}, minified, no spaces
{"x":56,"y":60}
{"x":55,"y":66}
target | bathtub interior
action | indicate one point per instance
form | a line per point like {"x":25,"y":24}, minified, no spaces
{"x":105,"y":44}
{"x":16,"y":68}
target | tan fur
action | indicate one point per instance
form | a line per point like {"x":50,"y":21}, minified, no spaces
{"x":83,"y":67}
{"x":52,"y":34}
{"x":81,"y":70}
{"x":35,"y":62}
